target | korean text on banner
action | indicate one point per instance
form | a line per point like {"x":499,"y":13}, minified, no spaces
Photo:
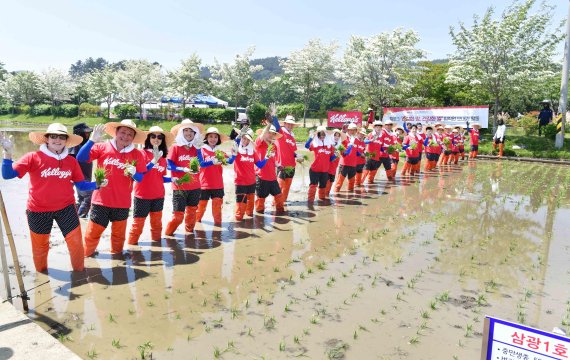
{"x":338,"y":118}
{"x":453,"y":115}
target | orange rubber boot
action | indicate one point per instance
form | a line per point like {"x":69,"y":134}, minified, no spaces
{"x":40,"y":249}
{"x":328,"y":188}
{"x":136,"y":230}
{"x":177,"y":218}
{"x":190,"y":218}
{"x":351,"y":182}
{"x":501,"y":148}
{"x":371,"y":176}
{"x":358,"y":180}
{"x":322,"y":193}
{"x":240,"y":211}
{"x":288,"y":183}
{"x":339,"y":182}
{"x":92,"y":237}
{"x":279,"y":203}
{"x":405,"y":169}
{"x":260,"y":205}
{"x":75,"y":246}
{"x":201,"y":210}
{"x":312,"y":193}
{"x":118,"y":232}
{"x":282,"y":185}
{"x":217,"y":210}
{"x":250,"y":204}
{"x":155,"y":225}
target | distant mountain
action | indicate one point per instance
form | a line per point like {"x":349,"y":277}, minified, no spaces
{"x":271,"y":67}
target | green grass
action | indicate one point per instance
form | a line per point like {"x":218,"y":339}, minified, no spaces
{"x":533,"y":146}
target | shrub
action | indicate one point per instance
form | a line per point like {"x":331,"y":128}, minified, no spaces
{"x":256,"y":113}
{"x":86,"y":109}
{"x":204,"y":115}
{"x":40,"y":109}
{"x":550,"y":131}
{"x":529,"y":124}
{"x":125,"y":111}
{"x":6,"y":109}
{"x":23,"y":109}
{"x":295,"y":109}
{"x":65,"y":110}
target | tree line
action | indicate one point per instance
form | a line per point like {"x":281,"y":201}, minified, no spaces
{"x":504,"y":60}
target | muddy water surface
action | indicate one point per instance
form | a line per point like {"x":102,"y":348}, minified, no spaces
{"x":395,"y":271}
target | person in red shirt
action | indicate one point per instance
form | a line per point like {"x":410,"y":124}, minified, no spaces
{"x":123,"y":164}
{"x":473,"y":139}
{"x":211,"y":174}
{"x":433,"y":148}
{"x":411,"y":146}
{"x":285,"y":154}
{"x":387,"y":139}
{"x":373,"y":146}
{"x":185,"y":180}
{"x":455,"y":145}
{"x":244,"y":169}
{"x":360,"y":146}
{"x":266,"y":179}
{"x":347,"y":167}
{"x":398,"y":136}
{"x":461,"y":144}
{"x":444,"y":160}
{"x":51,"y":197}
{"x":338,"y":138}
{"x":321,"y":144}
{"x":149,"y":192}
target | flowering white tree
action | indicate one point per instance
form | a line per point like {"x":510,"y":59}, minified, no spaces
{"x":501,"y":56}
{"x":102,"y":86}
{"x":139,"y":82}
{"x":307,"y":69}
{"x":186,"y":80}
{"x":236,"y":79}
{"x":56,"y":85}
{"x":382,"y":68}
{"x":21,"y":88}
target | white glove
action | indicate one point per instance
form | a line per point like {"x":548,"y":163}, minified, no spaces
{"x":104,"y":183}
{"x":235,"y":149}
{"x":216,"y":161}
{"x":198,"y":141}
{"x":351,"y":141}
{"x":156,"y":154}
{"x":7,"y":143}
{"x":299,"y":158}
{"x":186,"y":170}
{"x":174,"y":180}
{"x":243,"y":130}
{"x":131,"y":169}
{"x":269,"y":155}
{"x":97,"y":134}
{"x":273,"y":109}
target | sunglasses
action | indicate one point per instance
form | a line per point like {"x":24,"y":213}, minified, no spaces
{"x":159,"y":136}
{"x":56,"y":136}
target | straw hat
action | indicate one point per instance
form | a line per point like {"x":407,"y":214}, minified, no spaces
{"x":111,"y":130}
{"x":455,"y":130}
{"x":447,"y":127}
{"x":187,"y":124}
{"x":39,"y":137}
{"x":363,"y":131}
{"x":290,"y":119}
{"x":321,"y":128}
{"x":428,"y":127}
{"x":476,"y":124}
{"x":338,"y":131}
{"x":272,"y":130}
{"x":248,"y":135}
{"x":214,"y":130}
{"x":377,"y":123}
{"x":352,"y":126}
{"x":399,"y":128}
{"x":168,"y":137}
{"x":388,"y":122}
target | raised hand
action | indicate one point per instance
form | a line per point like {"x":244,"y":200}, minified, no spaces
{"x":97,"y":134}
{"x":131,"y":169}
{"x":198,"y":141}
{"x":156,"y":154}
{"x":7,"y":143}
{"x":273,"y":109}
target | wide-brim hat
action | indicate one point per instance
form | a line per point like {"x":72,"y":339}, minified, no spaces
{"x":39,"y":137}
{"x":454,"y":130}
{"x":438,"y":125}
{"x":249,"y":135}
{"x":362,"y":130}
{"x":377,"y":123}
{"x":272,"y":130}
{"x":388,"y":122}
{"x":111,"y":130}
{"x":168,"y":137}
{"x":476,"y":124}
{"x":342,"y":135}
{"x":290,"y":119}
{"x":429,"y":127}
{"x":321,"y":128}
{"x":447,"y":127}
{"x":214,"y":130}
{"x":352,"y":126}
{"x":187,"y":124}
{"x":399,"y":128}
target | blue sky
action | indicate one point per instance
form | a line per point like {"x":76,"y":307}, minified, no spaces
{"x":36,"y":34}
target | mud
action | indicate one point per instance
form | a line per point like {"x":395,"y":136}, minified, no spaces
{"x":395,"y":271}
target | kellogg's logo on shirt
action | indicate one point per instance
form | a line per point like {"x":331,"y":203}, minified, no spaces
{"x":185,"y":157}
{"x":290,"y":142}
{"x":121,"y":164}
{"x":246,"y":158}
{"x":159,"y":168}
{"x":324,"y":151}
{"x":56,"y":172}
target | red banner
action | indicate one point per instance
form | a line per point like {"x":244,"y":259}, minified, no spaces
{"x":337,"y":119}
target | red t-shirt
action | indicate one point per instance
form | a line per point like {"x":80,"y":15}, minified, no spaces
{"x":434,"y":149}
{"x":350,"y":159}
{"x":474,"y":136}
{"x":322,"y":157}
{"x":118,"y":193}
{"x":268,"y":171}
{"x":152,"y":185}
{"x":421,"y":137}
{"x":244,"y":169}
{"x":447,"y":136}
{"x":181,"y":156}
{"x":51,"y":180}
{"x":286,"y":147}
{"x":386,"y":139}
{"x":211,"y":177}
{"x":333,"y":166}
{"x":360,"y":146}
{"x":412,"y":153}
{"x":374,"y":146}
{"x":396,"y":154}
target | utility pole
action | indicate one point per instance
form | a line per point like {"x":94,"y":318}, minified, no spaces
{"x":564,"y":84}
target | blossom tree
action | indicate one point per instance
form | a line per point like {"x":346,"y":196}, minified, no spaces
{"x":102,"y":86}
{"x":141,"y":81}
{"x":310,"y":67}
{"x":56,"y":85}
{"x":21,"y":88}
{"x":382,"y":68}
{"x":187,"y":80}
{"x":501,"y":56}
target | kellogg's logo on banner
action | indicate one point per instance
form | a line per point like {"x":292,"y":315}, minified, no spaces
{"x":338,"y":118}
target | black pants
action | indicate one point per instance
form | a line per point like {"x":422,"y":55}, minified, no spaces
{"x":183,"y":198}
{"x":242,"y":191}
{"x":347,"y":171}
{"x":101,"y":215}
{"x":142,"y":207}
{"x":211,"y":194}
{"x":320,"y":178}
{"x":42,"y":222}
{"x":264,"y":188}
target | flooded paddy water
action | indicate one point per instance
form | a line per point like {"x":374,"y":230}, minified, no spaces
{"x":404,"y":270}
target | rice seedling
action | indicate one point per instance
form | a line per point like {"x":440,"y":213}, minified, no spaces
{"x":338,"y":351}
{"x":250,"y":332}
{"x":249,"y":261}
{"x":131,"y":163}
{"x":92,"y":354}
{"x":207,"y":329}
{"x":217,"y":352}
{"x":150,"y":304}
{"x":355,"y":335}
{"x":144,"y":350}
{"x":221,"y":157}
{"x":194,"y":165}
{"x":433,"y":304}
{"x":204,"y":302}
{"x":112,"y":318}
{"x":481,"y":300}
{"x":116,"y":343}
{"x":259,"y":299}
{"x":287,"y":308}
{"x":100,"y":174}
{"x":282,"y":345}
{"x":424,"y":314}
{"x":321,"y":265}
{"x":314,"y":319}
{"x":166,"y":296}
{"x":276,"y":269}
{"x":269,"y":322}
{"x":414,"y":340}
{"x":468,"y":330}
{"x":306,"y":332}
{"x":217,"y":295}
{"x":296,"y":340}
{"x":309,"y":271}
{"x":317,"y":290}
{"x":235,"y":312}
